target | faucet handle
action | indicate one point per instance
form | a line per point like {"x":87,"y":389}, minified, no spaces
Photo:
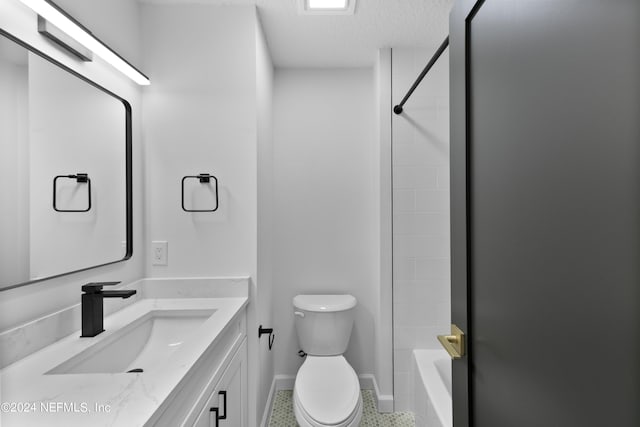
{"x":95,"y":287}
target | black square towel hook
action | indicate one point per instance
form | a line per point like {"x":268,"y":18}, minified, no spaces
{"x":81,"y":178}
{"x":203,"y":178}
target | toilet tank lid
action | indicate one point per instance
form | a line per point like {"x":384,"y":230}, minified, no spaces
{"x":324,"y":303}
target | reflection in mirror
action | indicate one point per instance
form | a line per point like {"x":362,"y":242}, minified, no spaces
{"x":54,"y":123}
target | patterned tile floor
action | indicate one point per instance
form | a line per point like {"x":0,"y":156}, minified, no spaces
{"x":282,"y":413}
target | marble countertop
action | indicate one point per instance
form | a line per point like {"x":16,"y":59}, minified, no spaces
{"x":30,"y":397}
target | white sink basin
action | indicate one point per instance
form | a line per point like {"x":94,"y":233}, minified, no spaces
{"x":139,"y":345}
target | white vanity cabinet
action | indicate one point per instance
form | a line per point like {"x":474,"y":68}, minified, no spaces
{"x":191,"y":344}
{"x":227,"y":405}
{"x":217,"y":384}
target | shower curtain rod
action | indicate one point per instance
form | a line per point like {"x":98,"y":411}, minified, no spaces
{"x":398,"y":108}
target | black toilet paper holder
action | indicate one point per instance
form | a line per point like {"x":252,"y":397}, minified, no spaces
{"x":267,"y":331}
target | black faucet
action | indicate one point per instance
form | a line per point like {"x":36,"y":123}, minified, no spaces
{"x":92,"y":307}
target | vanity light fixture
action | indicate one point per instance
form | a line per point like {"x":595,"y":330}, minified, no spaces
{"x":61,"y":38}
{"x":326,"y":7}
{"x":58,"y":17}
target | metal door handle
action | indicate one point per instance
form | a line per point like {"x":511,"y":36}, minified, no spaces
{"x":454,"y":343}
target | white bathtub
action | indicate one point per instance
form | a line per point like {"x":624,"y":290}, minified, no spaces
{"x":431,"y":388}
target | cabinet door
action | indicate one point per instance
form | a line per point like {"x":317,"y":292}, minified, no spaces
{"x":227,"y":405}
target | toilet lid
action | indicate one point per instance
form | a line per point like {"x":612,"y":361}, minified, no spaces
{"x":327,"y":389}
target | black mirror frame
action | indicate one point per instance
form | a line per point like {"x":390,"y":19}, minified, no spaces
{"x":128,"y":160}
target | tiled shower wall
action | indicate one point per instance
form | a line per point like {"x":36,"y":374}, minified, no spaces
{"x":421,"y":260}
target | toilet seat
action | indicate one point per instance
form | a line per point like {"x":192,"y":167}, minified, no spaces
{"x":305,"y":420}
{"x":327,"y":393}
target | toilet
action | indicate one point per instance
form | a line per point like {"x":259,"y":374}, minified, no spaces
{"x":326,"y":391}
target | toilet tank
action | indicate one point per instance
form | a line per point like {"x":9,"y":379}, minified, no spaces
{"x":324,"y":323}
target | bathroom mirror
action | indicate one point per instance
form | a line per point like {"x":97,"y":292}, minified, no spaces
{"x":65,"y":169}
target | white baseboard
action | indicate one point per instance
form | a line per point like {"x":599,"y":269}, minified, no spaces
{"x":267,"y":408}
{"x":280,"y":382}
{"x":384,"y":402}
{"x":284,"y":382}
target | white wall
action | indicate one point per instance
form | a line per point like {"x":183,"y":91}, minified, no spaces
{"x":384,"y":319}
{"x":264,"y":95}
{"x":326,"y":205}
{"x":14,"y":171}
{"x":115,"y":22}
{"x":208,"y":110}
{"x":421,"y":287}
{"x":200,"y":117}
{"x":23,"y":304}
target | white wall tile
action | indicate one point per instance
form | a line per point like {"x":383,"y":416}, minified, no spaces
{"x":432,"y":201}
{"x":403,"y":291}
{"x":421,"y":290}
{"x":403,"y":337}
{"x":424,"y":246}
{"x":403,"y":358}
{"x":429,"y":268}
{"x":426,"y":337}
{"x":443,"y":178}
{"x":415,"y":177}
{"x":404,"y":200}
{"x":443,"y":313}
{"x":421,"y":223}
{"x":401,"y":390}
{"x":404,"y":268}
{"x":421,"y":245}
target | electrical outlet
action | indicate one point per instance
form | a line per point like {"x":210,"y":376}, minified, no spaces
{"x":159,"y":250}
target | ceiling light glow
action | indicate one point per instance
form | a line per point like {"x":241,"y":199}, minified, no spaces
{"x":327,"y":4}
{"x":326,"y":7}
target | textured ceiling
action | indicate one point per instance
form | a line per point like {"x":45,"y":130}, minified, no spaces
{"x":345,"y":41}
